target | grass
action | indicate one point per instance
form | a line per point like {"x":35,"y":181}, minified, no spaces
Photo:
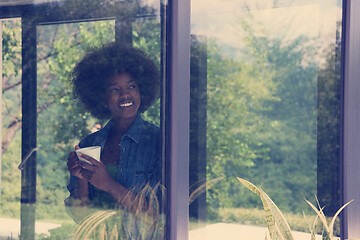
{"x":256,"y":217}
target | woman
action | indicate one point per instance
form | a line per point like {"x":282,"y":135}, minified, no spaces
{"x":115,"y":83}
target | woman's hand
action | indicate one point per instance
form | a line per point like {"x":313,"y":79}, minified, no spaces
{"x":73,"y":164}
{"x":82,"y":191}
{"x":98,"y":176}
{"x":96,"y":173}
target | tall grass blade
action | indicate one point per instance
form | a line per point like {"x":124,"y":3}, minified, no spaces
{"x":114,"y":233}
{"x":102,"y":232}
{"x":90,"y":224}
{"x":331,"y":226}
{"x":138,"y":220}
{"x":312,"y":228}
{"x":197,"y":190}
{"x":320,"y":214}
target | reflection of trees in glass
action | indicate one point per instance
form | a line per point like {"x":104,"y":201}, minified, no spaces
{"x":262,"y":114}
{"x":61,"y":120}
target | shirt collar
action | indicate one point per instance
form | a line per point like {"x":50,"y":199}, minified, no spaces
{"x":134,"y":132}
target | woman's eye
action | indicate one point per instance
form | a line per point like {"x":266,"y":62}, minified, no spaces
{"x":132,"y":86}
{"x":113,"y":90}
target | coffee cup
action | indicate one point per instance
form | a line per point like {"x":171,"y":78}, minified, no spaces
{"x":93,"y":152}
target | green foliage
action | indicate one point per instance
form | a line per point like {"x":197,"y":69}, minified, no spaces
{"x":234,"y":89}
{"x":11,"y":112}
{"x":11,"y":44}
{"x":64,"y":122}
{"x":11,"y":74}
{"x":290,"y":131}
{"x":263,"y":120}
{"x":60,"y":233}
{"x":256,"y":217}
{"x":149,"y":41}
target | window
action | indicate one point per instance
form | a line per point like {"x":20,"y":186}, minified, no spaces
{"x":267,"y":108}
{"x":249,"y":87}
{"x":40,"y":49}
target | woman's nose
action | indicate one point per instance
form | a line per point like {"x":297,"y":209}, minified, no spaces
{"x":123,"y":92}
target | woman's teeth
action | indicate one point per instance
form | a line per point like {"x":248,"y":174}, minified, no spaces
{"x":126,"y":104}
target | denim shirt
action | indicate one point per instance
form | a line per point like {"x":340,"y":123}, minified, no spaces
{"x":140,"y":157}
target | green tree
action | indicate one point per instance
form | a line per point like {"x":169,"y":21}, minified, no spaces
{"x":290,"y":129}
{"x":262,"y":120}
{"x":11,"y":117}
{"x":237,"y":90}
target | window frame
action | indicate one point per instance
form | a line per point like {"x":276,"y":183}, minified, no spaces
{"x":177,"y":119}
{"x":351,"y":119}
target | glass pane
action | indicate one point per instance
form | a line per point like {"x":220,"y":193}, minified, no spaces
{"x":111,"y":52}
{"x":265,"y":107}
{"x":10,"y":180}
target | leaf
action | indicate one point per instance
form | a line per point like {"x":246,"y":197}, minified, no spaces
{"x":249,"y":185}
{"x":276,"y":222}
{"x":280,"y":221}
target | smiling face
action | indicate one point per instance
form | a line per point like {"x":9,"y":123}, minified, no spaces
{"x":122,"y":97}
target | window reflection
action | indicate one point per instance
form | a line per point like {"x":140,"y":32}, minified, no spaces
{"x":56,"y":35}
{"x":272,"y":111}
